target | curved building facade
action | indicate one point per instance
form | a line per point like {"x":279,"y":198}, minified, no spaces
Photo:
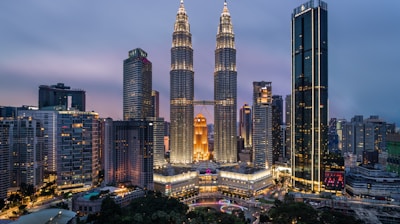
{"x":225,"y":91}
{"x":181,"y":90}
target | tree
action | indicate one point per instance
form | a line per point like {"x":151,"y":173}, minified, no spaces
{"x":110,"y":212}
{"x":289,"y":212}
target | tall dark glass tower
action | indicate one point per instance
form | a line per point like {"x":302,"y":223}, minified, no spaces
{"x":225,"y":91}
{"x":181,"y":90}
{"x":245,"y":125}
{"x":277,"y":132}
{"x":137,"y":85}
{"x":309,"y":95}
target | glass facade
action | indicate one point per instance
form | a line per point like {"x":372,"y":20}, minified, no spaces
{"x":309,"y":95}
{"x":225,"y":92}
{"x":277,"y":132}
{"x":61,"y":96}
{"x":262,"y":125}
{"x":137,"y":85}
{"x":131,"y":155}
{"x":181,"y":91}
{"x":245,"y":126}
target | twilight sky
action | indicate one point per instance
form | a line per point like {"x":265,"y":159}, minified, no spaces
{"x":83,"y":44}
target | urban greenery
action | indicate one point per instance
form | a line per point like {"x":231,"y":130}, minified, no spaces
{"x":155,"y":208}
{"x":290,"y":211}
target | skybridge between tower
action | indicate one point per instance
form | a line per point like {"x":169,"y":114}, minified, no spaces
{"x":203,"y":102}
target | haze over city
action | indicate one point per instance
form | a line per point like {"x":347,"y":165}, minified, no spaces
{"x":83,"y":44}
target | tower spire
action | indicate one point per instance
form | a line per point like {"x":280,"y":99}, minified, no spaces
{"x":225,"y":11}
{"x":181,"y":8}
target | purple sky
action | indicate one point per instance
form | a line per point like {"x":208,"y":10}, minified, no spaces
{"x":83,"y":44}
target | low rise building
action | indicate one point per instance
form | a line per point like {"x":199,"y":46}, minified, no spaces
{"x":371,"y":182}
{"x":208,"y":177}
{"x":90,"y":202}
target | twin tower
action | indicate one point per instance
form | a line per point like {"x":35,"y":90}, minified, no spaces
{"x":182,"y":91}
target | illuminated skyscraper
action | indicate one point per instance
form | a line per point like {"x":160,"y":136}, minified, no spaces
{"x":181,"y":90}
{"x":245,"y":125}
{"x":262,"y":124}
{"x":137,"y":85}
{"x":200,"y":139}
{"x":309,"y":95}
{"x":225,"y":91}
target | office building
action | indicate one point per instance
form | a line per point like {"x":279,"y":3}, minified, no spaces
{"x":371,"y":182}
{"x":393,"y":146}
{"x":158,"y":141}
{"x":262,"y":125}
{"x":359,"y":135}
{"x":333,"y":137}
{"x":181,"y":91}
{"x":245,"y":126}
{"x":61,"y":96}
{"x":309,"y":122}
{"x":4,"y":159}
{"x":288,"y":117}
{"x":8,"y":111}
{"x":277,"y":132}
{"x":225,"y":91}
{"x":137,"y":85}
{"x":155,"y":103}
{"x":129,"y":150}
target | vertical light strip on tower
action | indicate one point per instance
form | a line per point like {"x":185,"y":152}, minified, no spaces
{"x":182,"y":90}
{"x":225,"y":91}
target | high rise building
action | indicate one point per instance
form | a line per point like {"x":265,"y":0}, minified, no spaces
{"x":137,"y":85}
{"x":48,"y":119}
{"x":158,"y":129}
{"x":200,"y":140}
{"x":393,"y":160}
{"x":77,"y":153}
{"x":245,"y":125}
{"x":26,"y":146}
{"x":181,"y":90}
{"x":359,"y":135}
{"x":155,"y":103}
{"x":262,"y":124}
{"x":61,"y":96}
{"x":225,"y":91}
{"x":288,"y":115}
{"x":277,"y":133}
{"x":333,"y":137}
{"x":4,"y":159}
{"x":309,"y":94}
{"x":130,"y":158}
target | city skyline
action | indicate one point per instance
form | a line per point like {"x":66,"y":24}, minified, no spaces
{"x":89,"y":42}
